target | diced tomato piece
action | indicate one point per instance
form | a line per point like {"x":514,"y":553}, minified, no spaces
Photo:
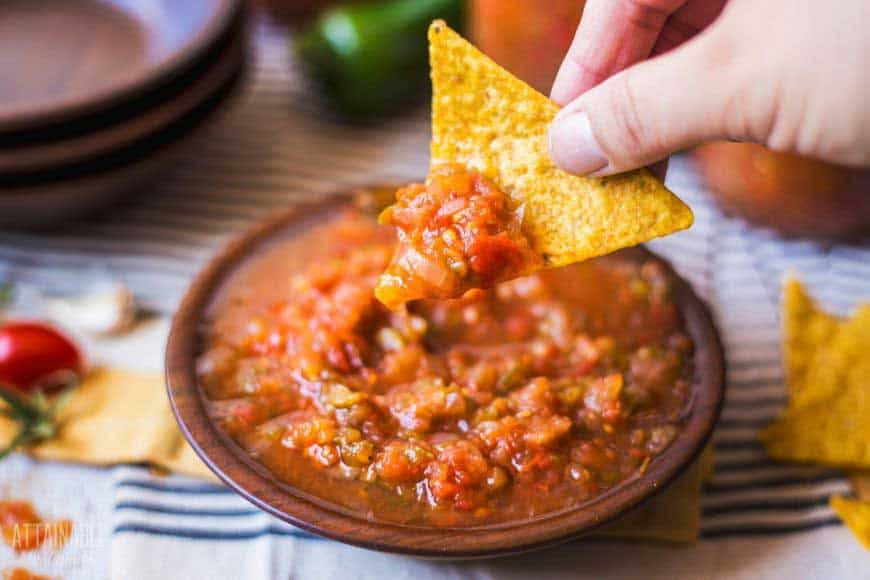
{"x":402,"y":461}
{"x":456,"y":232}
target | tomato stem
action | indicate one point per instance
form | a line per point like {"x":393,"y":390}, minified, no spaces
{"x":36,"y":416}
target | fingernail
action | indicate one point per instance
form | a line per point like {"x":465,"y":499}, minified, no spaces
{"x":573,"y":146}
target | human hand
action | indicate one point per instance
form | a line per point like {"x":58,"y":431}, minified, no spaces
{"x":646,"y":78}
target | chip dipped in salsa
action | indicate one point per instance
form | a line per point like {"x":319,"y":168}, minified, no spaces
{"x":534,"y":395}
{"x":456,"y":232}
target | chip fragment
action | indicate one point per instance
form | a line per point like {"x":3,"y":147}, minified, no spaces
{"x":486,"y":119}
{"x":856,"y":515}
{"x":827,"y":421}
{"x":860,"y":481}
{"x":805,"y":328}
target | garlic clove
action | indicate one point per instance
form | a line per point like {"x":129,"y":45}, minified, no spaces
{"x":108,"y":308}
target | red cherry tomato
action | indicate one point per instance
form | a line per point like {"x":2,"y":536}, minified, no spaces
{"x":32,"y":354}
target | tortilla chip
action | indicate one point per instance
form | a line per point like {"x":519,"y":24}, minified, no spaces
{"x":117,"y":416}
{"x":828,"y":418}
{"x":856,"y":515}
{"x":113,"y":416}
{"x":672,"y":516}
{"x":486,"y":119}
{"x":183,"y":459}
{"x":805,"y":327}
{"x":860,"y":481}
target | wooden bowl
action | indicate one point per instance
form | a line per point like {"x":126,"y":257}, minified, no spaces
{"x":253,"y":482}
{"x":77,"y":57}
{"x":45,"y":153}
{"x":108,"y":129}
{"x":37,"y":196}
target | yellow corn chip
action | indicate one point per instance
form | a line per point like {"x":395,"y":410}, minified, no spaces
{"x":113,"y":416}
{"x":671,"y":516}
{"x":117,"y":416}
{"x":486,"y":119}
{"x":828,"y":418}
{"x":805,"y":327}
{"x":856,"y":515}
{"x":860,"y":481}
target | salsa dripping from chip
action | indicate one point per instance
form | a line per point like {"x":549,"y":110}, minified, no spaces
{"x":490,"y":128}
{"x":456,"y":232}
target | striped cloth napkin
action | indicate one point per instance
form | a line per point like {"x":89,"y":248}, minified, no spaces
{"x":277,"y":146}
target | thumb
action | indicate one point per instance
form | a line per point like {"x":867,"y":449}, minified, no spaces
{"x":646,"y":112}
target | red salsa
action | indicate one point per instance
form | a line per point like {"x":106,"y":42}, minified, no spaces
{"x":456,"y":232}
{"x":19,"y":573}
{"x":534,"y":395}
{"x":24,"y":530}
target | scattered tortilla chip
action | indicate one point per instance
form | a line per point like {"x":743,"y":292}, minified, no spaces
{"x":856,"y":515}
{"x":117,"y":416}
{"x":828,"y":418}
{"x":672,"y":516}
{"x":113,"y":416}
{"x":486,"y":119}
{"x":805,"y":328}
{"x":183,"y":459}
{"x":860,"y":481}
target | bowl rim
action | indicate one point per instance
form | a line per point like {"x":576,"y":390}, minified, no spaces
{"x":264,"y":491}
{"x":45,"y":157}
{"x":151,"y":142}
{"x":221,"y":14}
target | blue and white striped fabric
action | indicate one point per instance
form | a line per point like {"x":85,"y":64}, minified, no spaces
{"x":276,"y":147}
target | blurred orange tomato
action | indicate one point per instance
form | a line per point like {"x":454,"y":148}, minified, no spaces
{"x":793,"y":195}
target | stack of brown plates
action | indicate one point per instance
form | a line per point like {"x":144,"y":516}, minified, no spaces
{"x":98,"y":94}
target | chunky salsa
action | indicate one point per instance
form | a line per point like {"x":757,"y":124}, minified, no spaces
{"x":19,"y":573}
{"x":24,"y":530}
{"x":534,"y":395}
{"x":456,"y":232}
